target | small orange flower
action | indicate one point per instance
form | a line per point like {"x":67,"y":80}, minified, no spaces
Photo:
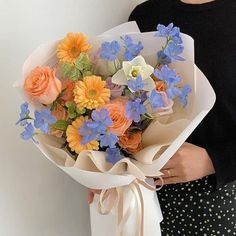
{"x":68,"y":88}
{"x":160,"y":86}
{"x":60,"y":112}
{"x":91,"y":93}
{"x":74,"y":138}
{"x":71,"y":46}
{"x":131,"y":142}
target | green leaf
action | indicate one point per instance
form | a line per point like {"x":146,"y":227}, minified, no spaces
{"x":83,"y":63}
{"x":61,"y":125}
{"x":80,"y":111}
{"x":66,"y":69}
{"x":87,"y":73}
{"x":70,"y":104}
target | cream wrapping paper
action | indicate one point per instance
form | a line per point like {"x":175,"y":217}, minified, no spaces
{"x":161,"y":139}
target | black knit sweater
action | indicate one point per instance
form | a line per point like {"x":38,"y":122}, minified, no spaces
{"x":213,"y":27}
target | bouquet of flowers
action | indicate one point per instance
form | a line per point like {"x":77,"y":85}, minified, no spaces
{"x":110,"y":111}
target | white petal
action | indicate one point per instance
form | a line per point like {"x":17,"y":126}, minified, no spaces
{"x":126,"y":67}
{"x":119,"y":78}
{"x":138,"y":61}
{"x":147,"y":71}
{"x":149,"y":84}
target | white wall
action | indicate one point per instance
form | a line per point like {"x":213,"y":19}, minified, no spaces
{"x":36,"y":198}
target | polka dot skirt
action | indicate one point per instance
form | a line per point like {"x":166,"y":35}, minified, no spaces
{"x":196,"y":208}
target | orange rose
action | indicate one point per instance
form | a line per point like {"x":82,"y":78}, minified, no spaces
{"x":60,"y":112}
{"x":42,"y":85}
{"x":116,"y":110}
{"x":132,"y":143}
{"x":68,"y":87}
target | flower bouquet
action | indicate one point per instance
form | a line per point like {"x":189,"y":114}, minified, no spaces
{"x":110,"y":111}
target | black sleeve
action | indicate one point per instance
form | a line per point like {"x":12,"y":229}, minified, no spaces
{"x":223,"y":157}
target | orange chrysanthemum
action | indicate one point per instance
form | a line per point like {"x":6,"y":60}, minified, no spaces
{"x":74,"y":138}
{"x":91,"y":93}
{"x":71,"y":46}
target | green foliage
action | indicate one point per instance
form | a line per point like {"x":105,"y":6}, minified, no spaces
{"x":81,"y":68}
{"x":61,"y":125}
{"x":73,"y":111}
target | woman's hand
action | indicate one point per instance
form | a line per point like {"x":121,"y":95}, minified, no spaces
{"x":189,"y":163}
{"x":91,"y":193}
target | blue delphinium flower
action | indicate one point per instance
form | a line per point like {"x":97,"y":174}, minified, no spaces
{"x":184,"y":94}
{"x":113,"y":155}
{"x":28,"y":133}
{"x":43,"y":119}
{"x":167,"y":75}
{"x":162,"y":58}
{"x":24,"y":114}
{"x":136,"y":84}
{"x":172,"y":51}
{"x":156,"y":99}
{"x":134,"y":110}
{"x":108,"y":140}
{"x":173,"y":91}
{"x":88,"y":131}
{"x":173,"y":33}
{"x":93,"y":129}
{"x":110,"y":50}
{"x":102,"y":119}
{"x":173,"y":47}
{"x":132,"y":49}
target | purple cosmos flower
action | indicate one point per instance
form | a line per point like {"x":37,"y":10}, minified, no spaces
{"x":43,"y":119}
{"x":110,"y":51}
{"x":116,"y":90}
{"x":134,"y":110}
{"x":113,"y":155}
{"x":132,"y":49}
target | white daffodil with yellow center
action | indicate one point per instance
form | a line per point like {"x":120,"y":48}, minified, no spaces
{"x":131,"y":70}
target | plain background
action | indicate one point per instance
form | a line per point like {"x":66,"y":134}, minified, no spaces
{"x":36,"y":198}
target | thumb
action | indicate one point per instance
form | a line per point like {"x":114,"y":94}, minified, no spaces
{"x":90,"y":197}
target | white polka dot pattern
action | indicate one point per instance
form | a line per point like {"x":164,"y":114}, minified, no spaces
{"x":197,"y":208}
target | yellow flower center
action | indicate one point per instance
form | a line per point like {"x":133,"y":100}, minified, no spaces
{"x":92,"y":93}
{"x":135,"y":71}
{"x":74,"y":52}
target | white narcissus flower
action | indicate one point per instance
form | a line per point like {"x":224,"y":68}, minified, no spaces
{"x":131,"y":69}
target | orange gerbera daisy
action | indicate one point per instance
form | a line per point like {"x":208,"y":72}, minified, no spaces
{"x":74,"y":138}
{"x":71,"y":46}
{"x":91,"y":93}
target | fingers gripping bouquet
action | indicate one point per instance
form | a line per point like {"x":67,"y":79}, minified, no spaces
{"x":110,"y":111}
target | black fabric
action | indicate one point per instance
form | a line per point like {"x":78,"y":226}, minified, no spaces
{"x":194,"y":208}
{"x":213,"y":27}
